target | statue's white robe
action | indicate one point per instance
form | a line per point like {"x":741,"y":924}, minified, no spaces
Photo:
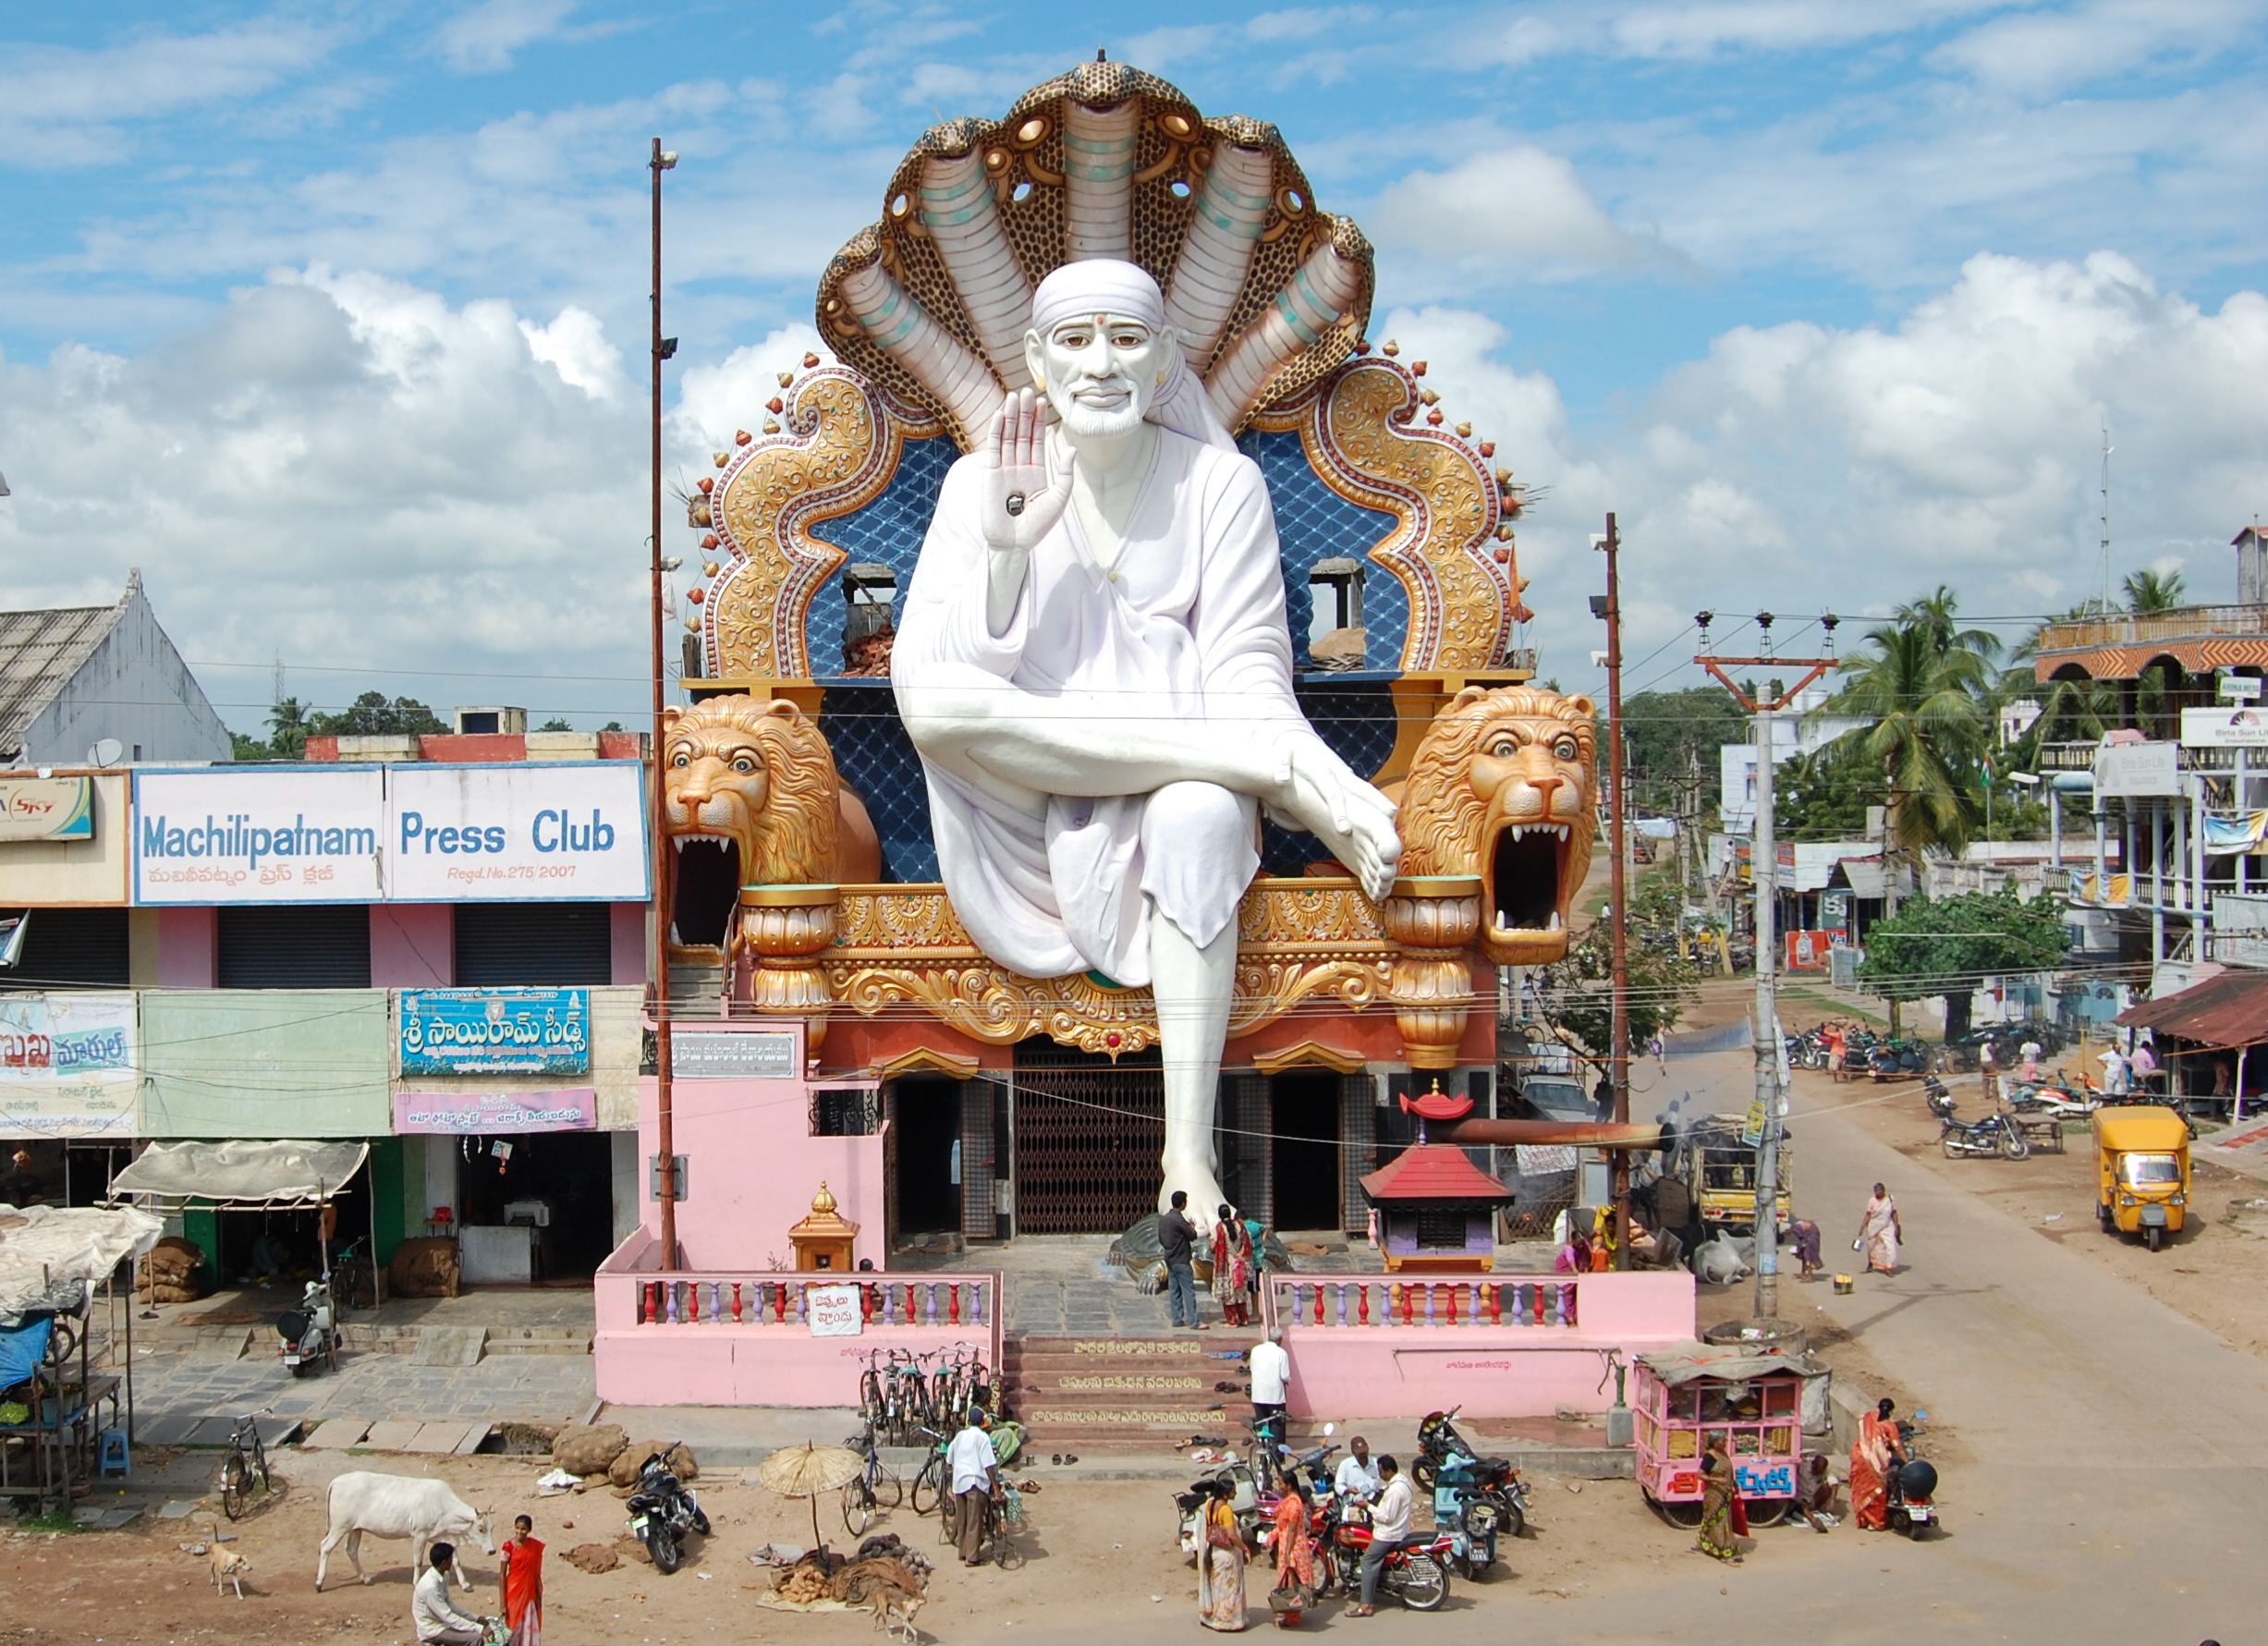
{"x":1187,"y":624}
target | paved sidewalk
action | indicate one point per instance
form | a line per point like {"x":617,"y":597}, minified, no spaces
{"x":173,"y":1391}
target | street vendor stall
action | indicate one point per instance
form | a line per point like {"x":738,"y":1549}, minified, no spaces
{"x":55,"y":1404}
{"x":246,"y":1175}
{"x":1691,"y":1396}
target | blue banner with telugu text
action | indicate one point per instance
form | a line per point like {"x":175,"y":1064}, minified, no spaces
{"x":495,"y":1031}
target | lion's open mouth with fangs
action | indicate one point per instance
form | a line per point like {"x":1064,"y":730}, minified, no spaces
{"x":1504,"y":786}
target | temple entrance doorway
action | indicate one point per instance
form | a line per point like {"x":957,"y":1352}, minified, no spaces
{"x":925,"y":1177}
{"x":1087,"y":1137}
{"x":1303,"y":1123}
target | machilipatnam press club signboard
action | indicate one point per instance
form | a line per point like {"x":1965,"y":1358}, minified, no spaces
{"x":565,"y":833}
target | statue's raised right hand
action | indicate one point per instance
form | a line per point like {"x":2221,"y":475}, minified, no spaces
{"x":1025,"y":494}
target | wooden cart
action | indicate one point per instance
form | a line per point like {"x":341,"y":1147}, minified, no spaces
{"x":1754,"y":1402}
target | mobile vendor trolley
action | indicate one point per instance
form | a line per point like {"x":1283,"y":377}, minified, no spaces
{"x":1754,"y":1402}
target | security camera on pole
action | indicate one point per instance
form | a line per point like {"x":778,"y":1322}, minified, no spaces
{"x":1769,"y":1111}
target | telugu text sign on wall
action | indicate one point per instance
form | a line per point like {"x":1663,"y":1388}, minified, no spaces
{"x":67,"y":1065}
{"x":833,"y":1311}
{"x":723,"y":1055}
{"x":46,"y":808}
{"x":479,"y":1113}
{"x":550,"y":833}
{"x":495,"y":1031}
{"x":249,"y":835}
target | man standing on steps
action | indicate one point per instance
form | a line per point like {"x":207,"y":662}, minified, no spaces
{"x":1177,"y":1240}
{"x":1270,"y":1373}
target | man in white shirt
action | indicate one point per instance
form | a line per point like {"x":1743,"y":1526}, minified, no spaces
{"x":970,"y":1463}
{"x":434,"y":1614}
{"x":1271,"y":1372}
{"x":1357,"y":1479}
{"x":1389,"y":1532}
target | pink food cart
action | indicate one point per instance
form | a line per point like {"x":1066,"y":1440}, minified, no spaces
{"x":1753,"y":1401}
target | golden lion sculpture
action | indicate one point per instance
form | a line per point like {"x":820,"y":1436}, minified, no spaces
{"x":1504,"y":786}
{"x":754,"y":775}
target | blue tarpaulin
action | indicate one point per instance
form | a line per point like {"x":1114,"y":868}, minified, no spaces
{"x":21,"y":1349}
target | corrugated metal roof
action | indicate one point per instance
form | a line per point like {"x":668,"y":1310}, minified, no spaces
{"x":2227,"y":1010}
{"x":40,"y":653}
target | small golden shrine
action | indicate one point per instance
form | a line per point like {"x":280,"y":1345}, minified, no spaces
{"x":822,"y":1240}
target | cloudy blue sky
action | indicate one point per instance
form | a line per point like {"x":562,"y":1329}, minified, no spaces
{"x":331,"y":317}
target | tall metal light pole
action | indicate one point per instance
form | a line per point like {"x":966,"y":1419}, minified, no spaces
{"x":1618,"y":923}
{"x":666,"y":1188}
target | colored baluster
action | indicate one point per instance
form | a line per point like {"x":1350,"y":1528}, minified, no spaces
{"x":928,"y":1317}
{"x":1495,"y":1304}
{"x":1542,"y":1302}
{"x":953,"y":1304}
{"x":1319,"y":1303}
{"x":1454,"y":1292}
{"x":1341,"y":1289}
{"x":1403,"y":1302}
{"x":803,"y":1304}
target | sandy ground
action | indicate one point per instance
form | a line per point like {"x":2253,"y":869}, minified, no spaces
{"x":1096,"y":1552}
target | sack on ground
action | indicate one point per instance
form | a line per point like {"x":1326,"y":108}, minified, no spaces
{"x":587,"y":1449}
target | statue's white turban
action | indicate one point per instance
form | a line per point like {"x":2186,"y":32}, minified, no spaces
{"x":1105,"y":285}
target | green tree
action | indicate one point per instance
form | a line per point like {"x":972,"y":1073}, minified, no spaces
{"x":1666,"y":735}
{"x":372,"y":715}
{"x":1824,"y":795}
{"x":1579,"y":992}
{"x":1948,"y":945}
{"x":2149,"y":590}
{"x":555,"y":725}
{"x":1926,"y":690}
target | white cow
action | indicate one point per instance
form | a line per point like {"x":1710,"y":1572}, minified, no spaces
{"x":399,"y":1505}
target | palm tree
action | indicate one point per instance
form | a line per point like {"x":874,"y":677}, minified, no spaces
{"x":2150,"y":591}
{"x":1936,"y":614}
{"x":1929,"y":701}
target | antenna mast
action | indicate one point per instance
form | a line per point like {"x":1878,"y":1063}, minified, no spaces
{"x":2105,"y":544}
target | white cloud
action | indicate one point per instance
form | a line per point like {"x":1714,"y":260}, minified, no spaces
{"x":345,"y":470}
{"x":2041,"y":53}
{"x":70,"y":107}
{"x":1515,"y":210}
{"x":483,"y":40}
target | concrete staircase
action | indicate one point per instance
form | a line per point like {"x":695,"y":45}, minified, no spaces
{"x":1125,"y":1394}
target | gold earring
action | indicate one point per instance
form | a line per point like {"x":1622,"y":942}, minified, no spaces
{"x":1040,"y":383}
{"x":1163,"y":374}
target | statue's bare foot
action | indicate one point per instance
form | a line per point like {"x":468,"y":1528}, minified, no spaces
{"x":1347,"y":814}
{"x":1195,"y":1174}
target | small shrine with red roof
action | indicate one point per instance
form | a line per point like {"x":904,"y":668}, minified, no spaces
{"x":1435,"y":1210}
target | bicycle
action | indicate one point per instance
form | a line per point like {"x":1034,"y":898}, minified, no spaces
{"x":244,"y":1463}
{"x":876,"y":1486}
{"x":929,"y":1486}
{"x":995,"y":1542}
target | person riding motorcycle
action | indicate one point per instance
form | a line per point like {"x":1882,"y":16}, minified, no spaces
{"x":1389,"y":1532}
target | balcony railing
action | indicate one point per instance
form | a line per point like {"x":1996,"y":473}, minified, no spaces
{"x":2153,"y":628}
{"x":1540,"y":1300}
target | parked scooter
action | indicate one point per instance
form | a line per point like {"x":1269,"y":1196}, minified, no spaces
{"x":1232,"y":1482}
{"x":1902,"y":1059}
{"x":309,"y":1333}
{"x":1996,"y":1134}
{"x":663,"y":1510}
{"x":1478,"y":1500}
{"x":1913,"y":1498}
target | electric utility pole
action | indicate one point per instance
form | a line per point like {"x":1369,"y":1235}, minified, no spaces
{"x":1765,"y":877}
{"x":665,"y":1169}
{"x":1618,"y":925}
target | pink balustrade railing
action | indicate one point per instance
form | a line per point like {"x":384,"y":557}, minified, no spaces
{"x":1493,"y":1300}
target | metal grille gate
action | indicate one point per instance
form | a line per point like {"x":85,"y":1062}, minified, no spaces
{"x":1088,"y":1133}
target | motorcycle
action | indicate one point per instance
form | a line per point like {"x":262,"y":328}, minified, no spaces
{"x":663,"y":1510}
{"x":309,"y":1333}
{"x":1478,"y":1500}
{"x":1898,"y":1060}
{"x":1417,"y":1574}
{"x":1234,"y":1482}
{"x":1913,"y":1498}
{"x":1996,"y":1134}
{"x":2054,"y":1098}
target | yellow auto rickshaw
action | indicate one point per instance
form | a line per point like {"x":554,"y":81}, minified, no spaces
{"x":2141,"y":1171}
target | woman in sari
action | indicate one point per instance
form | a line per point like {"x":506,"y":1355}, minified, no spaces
{"x":1716,"y":1524}
{"x":523,"y":1584}
{"x":1294,"y":1550}
{"x":1872,"y":1455}
{"x":1880,"y":1233}
{"x":1232,"y":1264}
{"x":1220,"y":1568}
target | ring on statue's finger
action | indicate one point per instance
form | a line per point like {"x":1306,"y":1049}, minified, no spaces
{"x":1016,"y":503}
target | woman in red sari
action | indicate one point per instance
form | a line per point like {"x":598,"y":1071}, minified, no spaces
{"x":1295,"y":1548}
{"x":1877,"y":1450}
{"x":523,"y":1584}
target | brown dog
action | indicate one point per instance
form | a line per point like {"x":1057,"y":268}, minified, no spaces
{"x":228,"y":1570}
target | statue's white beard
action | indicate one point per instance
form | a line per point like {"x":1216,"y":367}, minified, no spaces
{"x":1092,"y":422}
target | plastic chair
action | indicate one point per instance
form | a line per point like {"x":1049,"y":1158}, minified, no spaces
{"x":117,"y":1458}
